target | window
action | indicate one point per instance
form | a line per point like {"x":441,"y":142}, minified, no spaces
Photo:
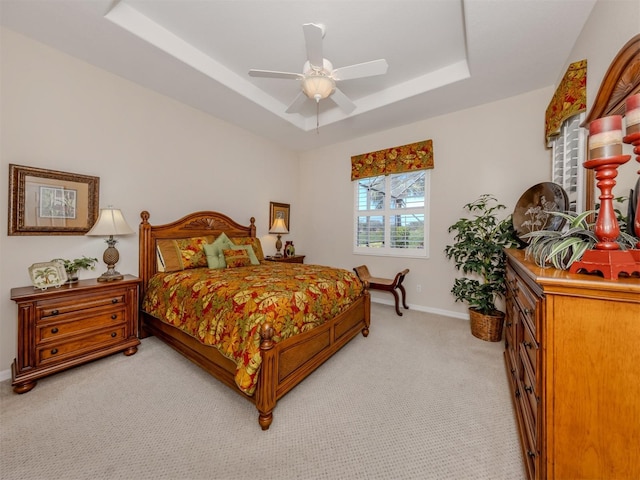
{"x":391,"y":214}
{"x":568,"y":153}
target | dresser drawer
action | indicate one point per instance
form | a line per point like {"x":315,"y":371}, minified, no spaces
{"x":529,"y":385}
{"x":77,"y":323}
{"x":527,"y":303}
{"x":530,"y":347}
{"x":57,"y":307}
{"x":79,"y":345}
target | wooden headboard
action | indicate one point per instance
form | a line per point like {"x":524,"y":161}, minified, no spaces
{"x":193,"y":225}
{"x":621,"y":81}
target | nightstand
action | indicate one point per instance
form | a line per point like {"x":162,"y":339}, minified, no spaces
{"x":60,"y":328}
{"x":293,"y":259}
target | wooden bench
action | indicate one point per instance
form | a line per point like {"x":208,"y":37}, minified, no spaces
{"x":385,"y":284}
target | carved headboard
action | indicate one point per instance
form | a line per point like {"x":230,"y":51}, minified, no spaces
{"x":621,"y":81}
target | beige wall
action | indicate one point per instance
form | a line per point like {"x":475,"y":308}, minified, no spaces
{"x":496,"y":148}
{"x":150,"y":152}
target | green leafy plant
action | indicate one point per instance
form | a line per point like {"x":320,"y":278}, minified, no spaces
{"x":562,"y":249}
{"x":479,"y":250}
{"x":72,"y":266}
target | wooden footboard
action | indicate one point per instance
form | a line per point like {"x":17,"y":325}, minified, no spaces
{"x":284,"y":364}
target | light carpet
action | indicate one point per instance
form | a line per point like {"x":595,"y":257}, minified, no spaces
{"x":420,"y":398}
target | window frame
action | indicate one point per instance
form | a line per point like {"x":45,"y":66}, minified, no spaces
{"x":387,"y":212}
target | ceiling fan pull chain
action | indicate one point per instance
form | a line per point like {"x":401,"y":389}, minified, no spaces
{"x":318,"y":118}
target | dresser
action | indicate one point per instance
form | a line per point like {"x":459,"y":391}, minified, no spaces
{"x":572,"y":353}
{"x":291,"y":259}
{"x":59,"y":328}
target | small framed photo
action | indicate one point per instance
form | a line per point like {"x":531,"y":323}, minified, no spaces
{"x":279,"y":210}
{"x":47,"y":275}
{"x":49,"y":202}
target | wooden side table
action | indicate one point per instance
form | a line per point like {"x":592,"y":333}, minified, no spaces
{"x":293,"y":259}
{"x":60,"y":328}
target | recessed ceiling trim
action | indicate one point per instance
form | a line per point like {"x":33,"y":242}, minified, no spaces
{"x":130,"y":19}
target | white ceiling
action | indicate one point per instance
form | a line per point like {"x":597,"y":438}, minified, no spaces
{"x":443,"y":55}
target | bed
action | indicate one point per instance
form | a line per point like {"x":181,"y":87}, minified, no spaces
{"x":280,"y":355}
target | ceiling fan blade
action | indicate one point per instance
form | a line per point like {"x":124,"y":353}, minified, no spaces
{"x":367,"y":69}
{"x":313,"y":39}
{"x":343,"y":101}
{"x":297,"y":103}
{"x":272,"y":74}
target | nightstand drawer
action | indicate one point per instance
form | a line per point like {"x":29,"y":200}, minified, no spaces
{"x":52,"y":308}
{"x":75,"y":324}
{"x":80,"y":345}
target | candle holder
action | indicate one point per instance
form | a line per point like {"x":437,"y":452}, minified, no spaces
{"x":606,"y":257}
{"x":634,"y":139}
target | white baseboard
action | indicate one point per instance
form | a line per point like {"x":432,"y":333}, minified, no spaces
{"x":5,"y":375}
{"x":420,"y":308}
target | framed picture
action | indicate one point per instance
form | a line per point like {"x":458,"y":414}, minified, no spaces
{"x":48,"y":202}
{"x":277,"y":210}
{"x":47,"y":274}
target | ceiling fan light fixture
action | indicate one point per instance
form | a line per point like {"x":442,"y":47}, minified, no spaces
{"x":318,"y":87}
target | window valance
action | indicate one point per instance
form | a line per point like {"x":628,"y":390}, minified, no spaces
{"x":405,"y":158}
{"x":570,"y":98}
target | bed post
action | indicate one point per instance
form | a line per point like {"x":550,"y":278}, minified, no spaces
{"x":145,"y":265}
{"x":266,"y":390}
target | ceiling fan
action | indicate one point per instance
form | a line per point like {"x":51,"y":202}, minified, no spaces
{"x":318,"y":77}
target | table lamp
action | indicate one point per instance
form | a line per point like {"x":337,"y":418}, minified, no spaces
{"x":279,"y":228}
{"x":110,"y":222}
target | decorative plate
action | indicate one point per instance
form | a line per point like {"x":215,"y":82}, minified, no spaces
{"x":47,"y":274}
{"x":531,"y":212}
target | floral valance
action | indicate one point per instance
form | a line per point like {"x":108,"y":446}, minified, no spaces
{"x":406,"y":158}
{"x":569,"y":99}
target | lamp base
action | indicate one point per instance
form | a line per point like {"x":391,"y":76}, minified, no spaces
{"x":110,"y":276}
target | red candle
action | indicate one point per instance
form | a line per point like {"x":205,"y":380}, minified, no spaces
{"x":605,"y":137}
{"x":632,"y":117}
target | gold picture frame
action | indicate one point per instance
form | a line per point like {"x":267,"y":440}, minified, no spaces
{"x":50,"y":202}
{"x":279,"y":209}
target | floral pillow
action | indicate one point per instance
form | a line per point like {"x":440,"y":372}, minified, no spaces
{"x":182,"y":254}
{"x":236,"y":258}
{"x":255,"y":244}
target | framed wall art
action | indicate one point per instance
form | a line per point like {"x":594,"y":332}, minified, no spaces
{"x":49,"y":202}
{"x":279,"y":210}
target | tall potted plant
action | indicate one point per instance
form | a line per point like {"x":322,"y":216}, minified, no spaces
{"x":478,"y":252}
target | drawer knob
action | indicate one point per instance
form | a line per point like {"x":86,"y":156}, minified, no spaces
{"x":54,"y":330}
{"x":528,"y":311}
{"x":113,"y":335}
{"x":531,"y":454}
{"x":527,"y":344}
{"x":114,"y":316}
{"x":115,"y":300}
{"x":54,"y":351}
{"x":54,"y":312}
{"x":528,"y":388}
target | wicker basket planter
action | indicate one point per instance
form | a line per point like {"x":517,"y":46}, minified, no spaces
{"x":487,"y":327}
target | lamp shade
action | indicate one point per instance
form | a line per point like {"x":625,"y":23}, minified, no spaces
{"x":318,"y":86}
{"x":110,"y":222}
{"x":278,"y":226}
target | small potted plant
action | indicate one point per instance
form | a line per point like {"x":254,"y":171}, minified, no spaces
{"x":72,"y":266}
{"x":478,"y":252}
{"x":562,"y":249}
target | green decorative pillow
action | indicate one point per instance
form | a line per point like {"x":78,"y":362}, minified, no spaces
{"x":252,"y":255}
{"x":254,"y":242}
{"x":182,"y":254}
{"x":236,"y":258}
{"x":213,"y":251}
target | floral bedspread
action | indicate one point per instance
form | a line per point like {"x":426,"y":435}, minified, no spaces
{"x":225,"y":308}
